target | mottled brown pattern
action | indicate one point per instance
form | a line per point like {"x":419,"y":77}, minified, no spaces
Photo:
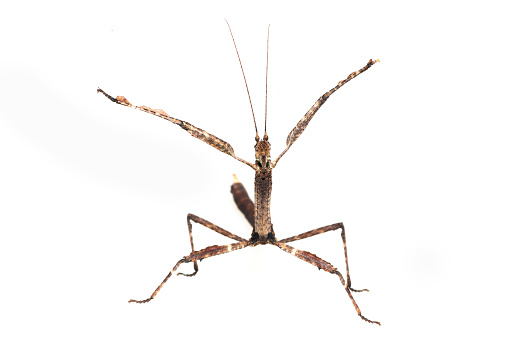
{"x":263,"y":229}
{"x":214,"y":250}
{"x":325,"y":229}
{"x":122,"y":100}
{"x":257,"y":212}
{"x":311,"y":233}
{"x":307,"y":256}
{"x":211,"y":226}
{"x":263,"y":186}
{"x":207,"y":252}
{"x":243,"y":202}
{"x":327,"y":267}
{"x":303,"y":123}
{"x":196,"y":132}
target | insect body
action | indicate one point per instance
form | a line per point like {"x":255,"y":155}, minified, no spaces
{"x":257,"y":212}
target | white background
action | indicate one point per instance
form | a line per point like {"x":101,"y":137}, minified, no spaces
{"x":412,"y":156}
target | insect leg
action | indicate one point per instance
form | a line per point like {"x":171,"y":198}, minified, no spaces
{"x":211,"y":226}
{"x":193,"y":257}
{"x":323,"y":265}
{"x":325,"y":229}
{"x":303,"y":123}
{"x":194,"y":131}
{"x":311,"y":233}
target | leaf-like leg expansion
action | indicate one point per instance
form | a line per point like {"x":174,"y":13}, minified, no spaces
{"x":207,"y":252}
{"x":243,"y":201}
{"x":303,"y":123}
{"x":323,"y":265}
{"x":211,"y":226}
{"x":325,"y":229}
{"x":196,"y":132}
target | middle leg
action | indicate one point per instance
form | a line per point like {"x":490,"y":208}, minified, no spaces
{"x":211,"y":226}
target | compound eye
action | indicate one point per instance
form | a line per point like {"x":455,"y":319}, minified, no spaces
{"x":267,"y":164}
{"x":258,"y":163}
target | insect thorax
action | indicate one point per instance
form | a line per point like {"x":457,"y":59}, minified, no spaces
{"x":263,"y":230}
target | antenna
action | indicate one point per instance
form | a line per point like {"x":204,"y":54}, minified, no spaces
{"x":267,"y":64}
{"x":244,"y":77}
